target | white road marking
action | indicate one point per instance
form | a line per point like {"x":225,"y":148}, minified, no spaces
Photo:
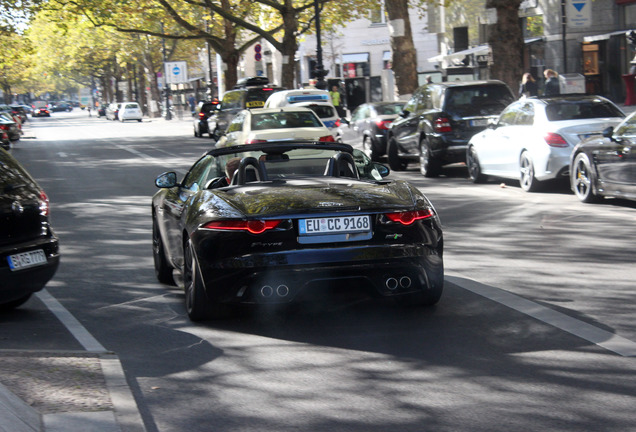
{"x":588,"y":332}
{"x":71,"y":323}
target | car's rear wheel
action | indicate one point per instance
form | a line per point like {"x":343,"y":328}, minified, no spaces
{"x":163,"y":271}
{"x":395,"y":161}
{"x":198,"y":306}
{"x":429,"y":166}
{"x":582,"y":179}
{"x":15,"y":303}
{"x":527,"y":180}
{"x":474,"y":169}
{"x":196,"y":132}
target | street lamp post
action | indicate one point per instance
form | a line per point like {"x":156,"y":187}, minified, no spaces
{"x":320,"y":72}
{"x":165,"y":79}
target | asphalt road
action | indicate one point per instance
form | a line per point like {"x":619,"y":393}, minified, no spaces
{"x":534,"y":331}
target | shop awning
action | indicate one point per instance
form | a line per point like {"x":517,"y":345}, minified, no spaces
{"x":355,"y":58}
{"x":604,"y":36}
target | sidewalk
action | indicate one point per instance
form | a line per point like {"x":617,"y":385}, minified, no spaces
{"x":75,"y":391}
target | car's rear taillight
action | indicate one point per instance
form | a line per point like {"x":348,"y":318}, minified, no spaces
{"x":408,"y":217}
{"x":383,"y":124}
{"x":4,"y":127}
{"x":45,"y":207}
{"x":255,"y":141}
{"x":252,"y":226}
{"x":555,"y":140}
{"x":201,"y":115}
{"x":328,"y":138}
{"x":442,"y":124}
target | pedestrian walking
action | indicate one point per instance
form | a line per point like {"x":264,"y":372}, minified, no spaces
{"x":528,"y":86}
{"x":88,"y":107}
{"x":552,"y":83}
{"x":336,"y":99}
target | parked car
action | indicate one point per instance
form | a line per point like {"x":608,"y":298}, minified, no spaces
{"x":130,"y":111}
{"x":19,"y":111}
{"x":5,"y":142}
{"x":101,"y":111}
{"x":316,"y":100}
{"x":29,"y":252}
{"x":297,"y":220}
{"x":201,"y":114}
{"x":533,"y":138}
{"x":274,"y":124}
{"x":41,"y":112}
{"x":605,"y":166}
{"x":8,"y":125}
{"x":112,"y":111}
{"x":61,"y":107}
{"x":248,"y":93}
{"x":439,"y":119}
{"x":369,"y":126}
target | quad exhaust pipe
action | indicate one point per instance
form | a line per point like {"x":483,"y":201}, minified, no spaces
{"x":393,"y":283}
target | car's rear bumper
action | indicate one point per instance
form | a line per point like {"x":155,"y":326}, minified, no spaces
{"x":18,"y":283}
{"x":281,"y":277}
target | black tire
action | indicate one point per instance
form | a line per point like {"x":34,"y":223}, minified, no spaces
{"x":395,"y":161}
{"x":582,"y":179}
{"x":198,"y":306}
{"x":214,"y":134}
{"x":369,"y":149}
{"x":15,"y":303}
{"x":139,"y":120}
{"x":163,"y":271}
{"x":527,"y":180}
{"x":429,"y":166}
{"x":474,"y":169}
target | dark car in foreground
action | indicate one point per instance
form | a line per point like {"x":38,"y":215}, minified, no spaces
{"x":440,"y":118}
{"x":297,"y":220}
{"x":29,"y":252}
{"x":368,"y":127}
{"x":605,"y":166}
{"x":201,"y":114}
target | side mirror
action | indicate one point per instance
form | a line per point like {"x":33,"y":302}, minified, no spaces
{"x":383,"y":170}
{"x":405,"y":113}
{"x":166,"y":180}
{"x":345,"y":120}
{"x":608,"y":132}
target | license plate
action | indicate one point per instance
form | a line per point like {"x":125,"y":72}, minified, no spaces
{"x":27,"y":259}
{"x":479,"y":122}
{"x":339,"y":225}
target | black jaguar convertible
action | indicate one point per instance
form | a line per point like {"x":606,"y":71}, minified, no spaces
{"x":297,"y":220}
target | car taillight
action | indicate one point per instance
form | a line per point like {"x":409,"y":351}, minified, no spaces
{"x":4,"y":127}
{"x":442,"y":124}
{"x":255,"y":141}
{"x":44,"y":204}
{"x":407,"y":218}
{"x":383,"y":124}
{"x":328,"y":138}
{"x":252,"y":226}
{"x":201,"y":115}
{"x":555,"y":140}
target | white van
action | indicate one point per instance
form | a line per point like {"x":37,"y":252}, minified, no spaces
{"x":318,"y":101}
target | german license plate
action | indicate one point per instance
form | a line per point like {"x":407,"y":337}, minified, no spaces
{"x":335,"y":225}
{"x":27,"y":259}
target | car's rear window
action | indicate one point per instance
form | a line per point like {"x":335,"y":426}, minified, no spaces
{"x":476,"y":100}
{"x":322,"y":111}
{"x":128,"y":106}
{"x":578,"y":110}
{"x":277,"y":120}
{"x":255,"y":98}
{"x":389,"y":109}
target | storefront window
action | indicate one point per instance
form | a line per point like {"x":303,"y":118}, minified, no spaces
{"x":590,"y":59}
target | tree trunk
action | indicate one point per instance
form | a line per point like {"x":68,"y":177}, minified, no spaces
{"x":231,"y":60}
{"x":506,"y":42}
{"x":404,"y":54}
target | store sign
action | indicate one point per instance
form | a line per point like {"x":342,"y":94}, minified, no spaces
{"x":579,"y":13}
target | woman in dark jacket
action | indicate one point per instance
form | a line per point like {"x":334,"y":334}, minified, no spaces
{"x":552,"y":83}
{"x":528,"y":86}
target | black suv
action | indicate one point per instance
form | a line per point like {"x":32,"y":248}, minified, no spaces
{"x":201,"y":114}
{"x":438,"y":121}
{"x":248,"y":93}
